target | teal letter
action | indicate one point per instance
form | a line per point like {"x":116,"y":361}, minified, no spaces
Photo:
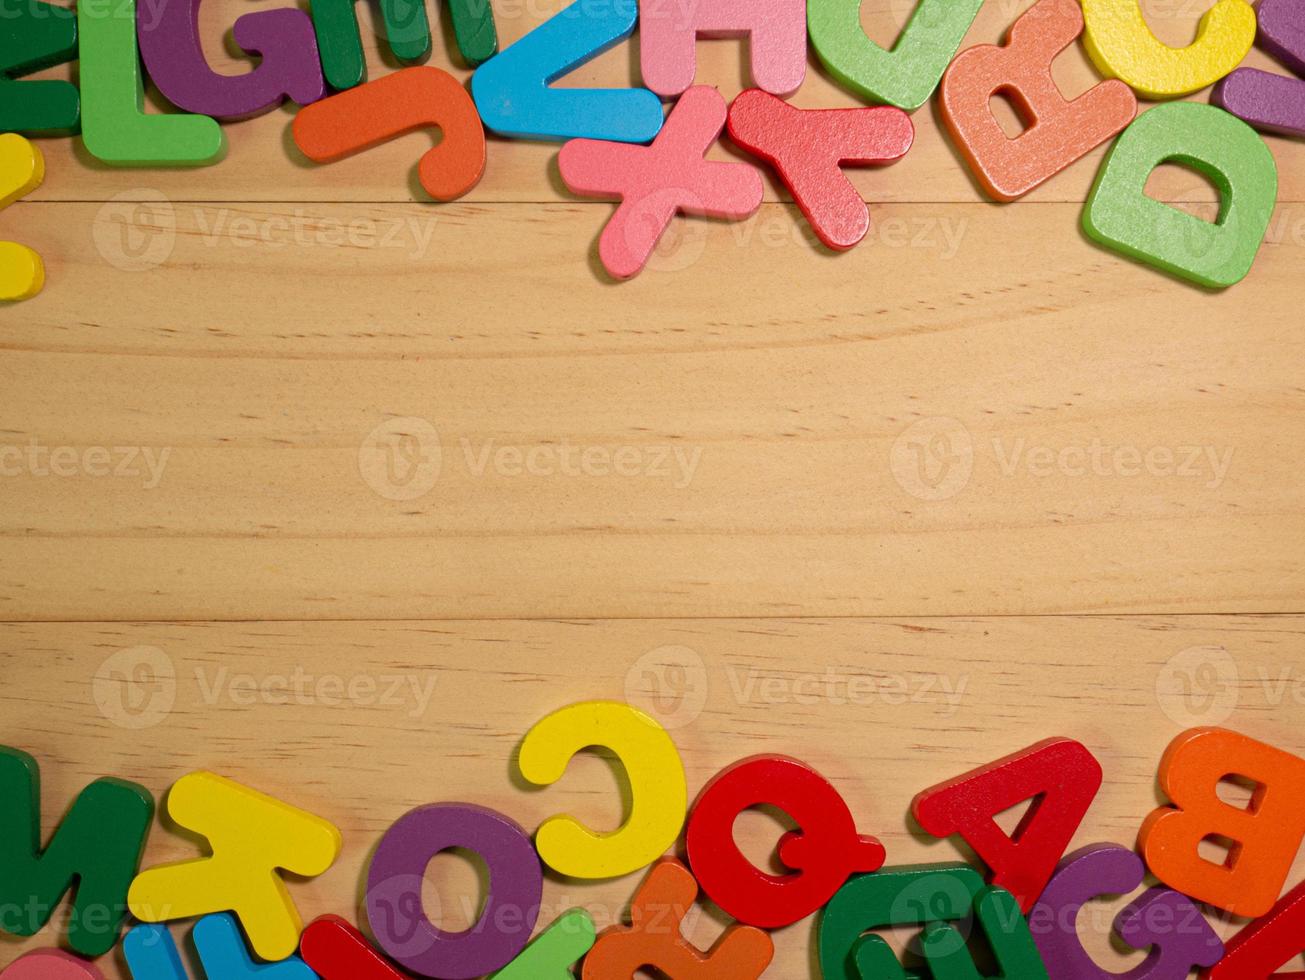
{"x":513,"y":89}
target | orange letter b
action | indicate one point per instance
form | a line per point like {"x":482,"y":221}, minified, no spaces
{"x":1263,"y":837}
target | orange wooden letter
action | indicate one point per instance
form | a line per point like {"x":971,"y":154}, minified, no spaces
{"x":412,"y":98}
{"x":653,"y":939}
{"x":1059,"y":131}
{"x":1263,"y":837}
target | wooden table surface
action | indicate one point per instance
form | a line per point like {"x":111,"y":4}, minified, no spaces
{"x":336,"y":491}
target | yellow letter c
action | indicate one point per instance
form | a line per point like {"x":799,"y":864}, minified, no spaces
{"x":1122,"y":46}
{"x":657,"y":784}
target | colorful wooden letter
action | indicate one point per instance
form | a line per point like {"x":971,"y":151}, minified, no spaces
{"x":1062,"y":779}
{"x":657,"y":182}
{"x":1264,"y":99}
{"x":473,"y":29}
{"x":36,"y":35}
{"x":413,"y":98}
{"x":1060,"y":132}
{"x":998,"y":916}
{"x":1170,"y":924}
{"x":652,"y":766}
{"x":394,"y":886}
{"x":809,"y":147}
{"x":252,"y":837}
{"x":22,"y":169}
{"x":1267,"y":944}
{"x":1264,"y":837}
{"x":337,"y":951}
{"x":654,"y":938}
{"x":776,"y":29}
{"x":551,"y":956}
{"x":223,"y":954}
{"x":174,"y":57}
{"x":98,"y":845}
{"x":151,"y":954}
{"x":514,"y":93}
{"x":901,"y":896}
{"x":115,"y":128}
{"x":904,"y":77}
{"x":1121,"y":216}
{"x":407,"y":30}
{"x":50,"y":964}
{"x":1122,"y":46}
{"x":823,"y":852}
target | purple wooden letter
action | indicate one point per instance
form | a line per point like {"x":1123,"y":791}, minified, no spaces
{"x":394,"y":907}
{"x":1264,"y":99}
{"x":174,"y":58}
{"x":1168,"y":922}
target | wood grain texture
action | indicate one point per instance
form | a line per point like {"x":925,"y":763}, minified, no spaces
{"x":774,"y":409}
{"x":882,"y":707}
{"x":444,"y":431}
{"x":264,"y":165}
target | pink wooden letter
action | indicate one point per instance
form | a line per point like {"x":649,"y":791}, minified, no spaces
{"x":656,"y":182}
{"x":777,"y":32}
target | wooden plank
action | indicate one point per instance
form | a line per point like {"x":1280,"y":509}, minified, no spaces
{"x":264,"y":165}
{"x":765,"y":430}
{"x":361,"y":721}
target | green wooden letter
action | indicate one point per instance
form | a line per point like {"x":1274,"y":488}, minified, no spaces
{"x":1121,"y":216}
{"x":115,"y":128}
{"x":98,"y":845}
{"x":907,"y":75}
{"x":908,"y":895}
{"x":1003,"y":924}
{"x":36,"y":35}
{"x":407,"y":31}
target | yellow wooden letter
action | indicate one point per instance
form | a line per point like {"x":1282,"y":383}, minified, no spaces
{"x":22,"y":168}
{"x":1122,"y":46}
{"x":251,"y":837}
{"x":657,"y":786}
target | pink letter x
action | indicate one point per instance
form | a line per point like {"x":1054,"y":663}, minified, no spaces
{"x":655,"y":182}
